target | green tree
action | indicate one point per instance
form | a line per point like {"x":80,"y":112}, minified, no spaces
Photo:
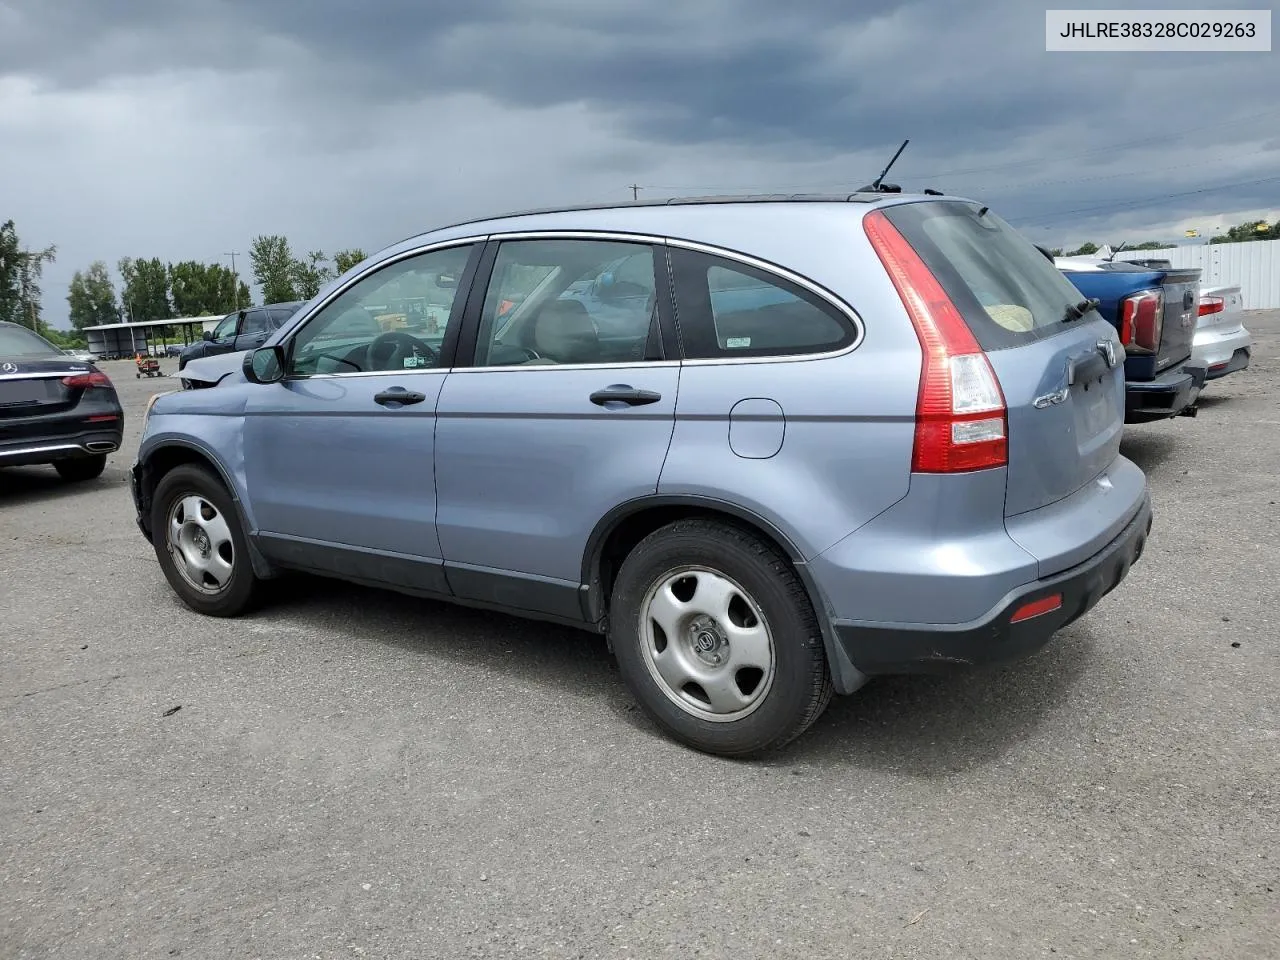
{"x":20,"y":273}
{"x":1084,"y":250}
{"x":1151,"y":245}
{"x":310,"y":274}
{"x":1249,"y":230}
{"x":145,"y":295}
{"x":344,"y":260}
{"x":274,"y":268}
{"x":92,"y":297}
{"x":200,"y":289}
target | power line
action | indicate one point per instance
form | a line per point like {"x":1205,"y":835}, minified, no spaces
{"x":1130,"y":204}
{"x":1110,"y":148}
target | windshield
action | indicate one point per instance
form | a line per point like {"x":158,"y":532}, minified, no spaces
{"x":20,"y":342}
{"x":1007,"y":290}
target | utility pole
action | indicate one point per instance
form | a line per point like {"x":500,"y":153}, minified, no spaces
{"x":235,"y":278}
{"x":635,"y":191}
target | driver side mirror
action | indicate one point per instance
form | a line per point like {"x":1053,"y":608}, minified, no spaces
{"x":208,"y":336}
{"x":264,"y":365}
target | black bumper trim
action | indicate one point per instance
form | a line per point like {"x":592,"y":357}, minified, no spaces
{"x":880,"y":649}
{"x":1167,"y":396}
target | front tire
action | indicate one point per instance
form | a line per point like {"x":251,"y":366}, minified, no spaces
{"x":717,"y":640}
{"x":200,"y":544}
{"x":80,"y":469}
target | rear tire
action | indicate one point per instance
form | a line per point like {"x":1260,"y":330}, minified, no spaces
{"x":201,"y":546}
{"x":739,"y":668}
{"x":81,"y":468}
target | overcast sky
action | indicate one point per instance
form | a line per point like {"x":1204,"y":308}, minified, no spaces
{"x":182,"y":128}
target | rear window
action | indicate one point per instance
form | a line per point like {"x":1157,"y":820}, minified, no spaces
{"x":1007,"y":290}
{"x":19,"y":342}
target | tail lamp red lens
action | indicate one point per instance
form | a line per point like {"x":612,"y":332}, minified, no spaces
{"x":1141,"y":317}
{"x":1210,"y":305}
{"x":961,"y":415}
{"x":85,"y":381}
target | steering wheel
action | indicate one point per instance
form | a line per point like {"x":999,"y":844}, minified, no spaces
{"x":387,"y":351}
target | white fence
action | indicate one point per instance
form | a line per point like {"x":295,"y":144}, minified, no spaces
{"x":1254,"y":265}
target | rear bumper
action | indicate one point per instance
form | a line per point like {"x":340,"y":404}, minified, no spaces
{"x":881,"y":648}
{"x":1220,"y":346}
{"x":1168,"y":395}
{"x":61,"y":442}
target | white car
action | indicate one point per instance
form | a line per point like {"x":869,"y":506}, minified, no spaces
{"x":1221,"y":343}
{"x":82,"y":356}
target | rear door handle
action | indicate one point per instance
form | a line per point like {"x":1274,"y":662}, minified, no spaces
{"x":399,"y":396}
{"x":624,"y":393}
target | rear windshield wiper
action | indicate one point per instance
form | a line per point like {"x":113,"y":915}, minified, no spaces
{"x":1077,"y":310}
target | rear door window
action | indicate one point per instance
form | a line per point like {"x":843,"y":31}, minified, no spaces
{"x":727,"y":308}
{"x":1008,"y":292}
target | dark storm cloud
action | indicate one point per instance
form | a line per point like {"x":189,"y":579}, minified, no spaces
{"x":562,"y":97}
{"x":955,"y":77}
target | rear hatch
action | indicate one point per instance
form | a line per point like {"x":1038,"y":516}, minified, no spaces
{"x":1061,"y":368}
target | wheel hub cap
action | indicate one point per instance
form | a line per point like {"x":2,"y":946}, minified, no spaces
{"x":707,"y":641}
{"x":706,"y":644}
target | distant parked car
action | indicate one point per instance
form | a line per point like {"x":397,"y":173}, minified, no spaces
{"x":54,"y":409}
{"x":174,"y":350}
{"x":242,"y":330}
{"x":898,"y":451}
{"x":1222,"y":343}
{"x":82,"y":356}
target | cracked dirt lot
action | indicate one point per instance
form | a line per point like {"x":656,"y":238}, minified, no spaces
{"x":359,"y":774}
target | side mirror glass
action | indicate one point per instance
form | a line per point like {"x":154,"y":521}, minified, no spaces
{"x":264,"y":365}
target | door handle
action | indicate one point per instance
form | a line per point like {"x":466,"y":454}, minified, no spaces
{"x":1086,"y":368}
{"x":398,"y":395}
{"x":624,"y":393}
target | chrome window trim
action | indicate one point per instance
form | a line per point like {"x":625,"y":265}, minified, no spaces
{"x":764,"y":266}
{"x":305,"y":315}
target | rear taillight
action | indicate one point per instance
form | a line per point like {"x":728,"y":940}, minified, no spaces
{"x":83,"y":381}
{"x":961,"y":416}
{"x":1210,"y":305}
{"x":1141,"y":316}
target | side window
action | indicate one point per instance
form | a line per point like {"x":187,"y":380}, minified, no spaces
{"x":394,"y":319}
{"x":226,"y":328}
{"x":255,"y":321}
{"x":569,"y":301}
{"x":729,"y":309}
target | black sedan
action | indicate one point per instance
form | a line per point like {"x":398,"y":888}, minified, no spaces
{"x":53,"y":408}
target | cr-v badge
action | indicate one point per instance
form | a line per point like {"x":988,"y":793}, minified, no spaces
{"x":1050,"y":399}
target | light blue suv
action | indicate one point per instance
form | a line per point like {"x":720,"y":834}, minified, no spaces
{"x":810,"y":441}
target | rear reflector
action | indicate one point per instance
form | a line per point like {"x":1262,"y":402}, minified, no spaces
{"x":102,"y":419}
{"x":83,"y":381}
{"x":1037,"y":608}
{"x":1141,"y":317}
{"x":1210,"y":305}
{"x":961,"y":416}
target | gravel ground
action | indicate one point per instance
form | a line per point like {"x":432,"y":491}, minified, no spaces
{"x":353,"y":773}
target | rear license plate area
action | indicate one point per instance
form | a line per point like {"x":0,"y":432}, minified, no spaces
{"x":16,"y":392}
